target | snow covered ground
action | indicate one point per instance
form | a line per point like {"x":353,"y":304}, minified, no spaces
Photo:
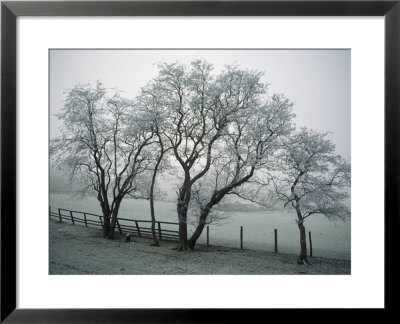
{"x":81,"y":250}
{"x":329,"y":239}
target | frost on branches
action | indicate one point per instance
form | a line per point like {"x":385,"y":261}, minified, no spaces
{"x":219,"y":127}
{"x":219,"y":133}
{"x":312,"y":179}
{"x":104,"y":145}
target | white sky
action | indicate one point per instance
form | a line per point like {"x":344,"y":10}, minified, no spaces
{"x":317,"y":81}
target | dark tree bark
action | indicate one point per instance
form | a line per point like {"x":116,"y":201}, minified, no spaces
{"x":153,"y":219}
{"x":153,"y":181}
{"x":184,"y":197}
{"x":199,"y":229}
{"x":114,"y":218}
{"x":106,"y":215}
{"x":106,"y":225}
{"x":182,"y":209}
{"x":215,"y":199}
{"x":300,"y":219}
{"x":303,"y":259}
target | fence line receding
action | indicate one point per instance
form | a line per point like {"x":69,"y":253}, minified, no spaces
{"x":164,"y":230}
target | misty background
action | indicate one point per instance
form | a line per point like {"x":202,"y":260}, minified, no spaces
{"x":316,"y":81}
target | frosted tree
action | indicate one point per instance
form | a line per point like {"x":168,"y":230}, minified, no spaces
{"x":312,"y":179}
{"x":103,"y":145}
{"x":250,"y":142}
{"x":154,"y":114}
{"x":209,"y":115}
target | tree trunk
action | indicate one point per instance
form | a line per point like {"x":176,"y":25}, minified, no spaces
{"x":153,"y":220}
{"x":106,"y":224}
{"x":182,"y":217}
{"x":110,"y":235}
{"x":106,"y":219}
{"x":182,"y":209}
{"x":215,"y":199}
{"x":199,"y":229}
{"x":114,"y":218}
{"x":105,"y":208}
{"x":153,"y":181}
{"x":303,"y":246}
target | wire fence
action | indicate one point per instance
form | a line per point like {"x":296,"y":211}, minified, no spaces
{"x":142,"y":228}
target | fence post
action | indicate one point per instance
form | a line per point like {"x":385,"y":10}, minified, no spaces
{"x":59,"y":214}
{"x":84,"y":216}
{"x":159,"y":231}
{"x":241,"y":237}
{"x":208,"y":235}
{"x":276,"y":240}
{"x":309,"y":236}
{"x":138,"y":229}
{"x":119,"y":227}
{"x":72,"y":217}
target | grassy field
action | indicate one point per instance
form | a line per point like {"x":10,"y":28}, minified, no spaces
{"x":81,"y":250}
{"x":329,"y":239}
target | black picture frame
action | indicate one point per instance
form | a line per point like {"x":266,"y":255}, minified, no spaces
{"x":10,"y":10}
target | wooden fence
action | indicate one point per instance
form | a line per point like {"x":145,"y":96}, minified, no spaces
{"x":140,"y":228}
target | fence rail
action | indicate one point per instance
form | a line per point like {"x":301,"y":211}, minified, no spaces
{"x":136,"y":227}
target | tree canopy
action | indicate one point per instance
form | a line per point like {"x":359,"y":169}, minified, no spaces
{"x":221,"y":132}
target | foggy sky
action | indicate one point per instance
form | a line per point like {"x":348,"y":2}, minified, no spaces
{"x":316,"y":81}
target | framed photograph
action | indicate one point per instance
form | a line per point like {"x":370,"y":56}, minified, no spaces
{"x":190,"y":161}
